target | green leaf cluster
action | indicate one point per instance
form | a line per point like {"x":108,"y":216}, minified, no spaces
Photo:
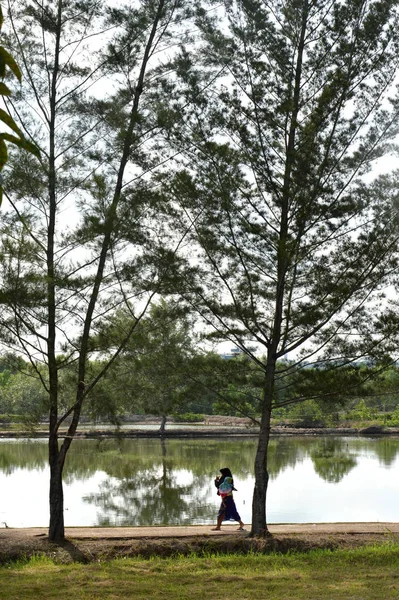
{"x":8,"y":62}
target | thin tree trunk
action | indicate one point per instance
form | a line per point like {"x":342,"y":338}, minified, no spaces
{"x":259,"y":520}
{"x":163,"y":425}
{"x":56,"y":529}
{"x":56,"y":496}
{"x":56,"y":499}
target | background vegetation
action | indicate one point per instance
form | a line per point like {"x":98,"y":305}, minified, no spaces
{"x":201,"y":385}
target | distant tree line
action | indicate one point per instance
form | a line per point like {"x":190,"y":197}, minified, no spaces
{"x":164,"y":373}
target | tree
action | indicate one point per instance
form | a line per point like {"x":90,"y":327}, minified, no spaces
{"x":294,"y":243}
{"x":63,"y":271}
{"x":153,"y":373}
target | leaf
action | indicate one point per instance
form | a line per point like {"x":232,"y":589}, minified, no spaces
{"x":4,"y":90}
{"x":3,"y":153}
{"x":2,"y":68}
{"x":9,"y":121}
{"x":21,"y":142}
{"x":10,"y":138}
{"x":7,"y":59}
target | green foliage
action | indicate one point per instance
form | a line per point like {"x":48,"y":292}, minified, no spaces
{"x":361,"y":412}
{"x":25,"y":396}
{"x":392,"y":419}
{"x":215,"y":385}
{"x":78,"y":237}
{"x":308,"y":414}
{"x":8,"y":419}
{"x":187,"y":418}
{"x":152,"y":374}
{"x":237,"y":401}
{"x":229,"y":385}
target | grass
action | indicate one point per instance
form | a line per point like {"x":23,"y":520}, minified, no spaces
{"x":366,"y":573}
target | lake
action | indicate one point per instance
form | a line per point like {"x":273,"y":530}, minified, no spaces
{"x":148,"y":482}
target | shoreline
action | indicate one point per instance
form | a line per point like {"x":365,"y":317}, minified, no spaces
{"x":208,"y":432}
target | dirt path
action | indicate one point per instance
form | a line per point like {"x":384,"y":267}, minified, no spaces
{"x":114,"y":533}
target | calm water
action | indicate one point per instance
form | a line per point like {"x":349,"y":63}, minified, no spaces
{"x":146,"y":482}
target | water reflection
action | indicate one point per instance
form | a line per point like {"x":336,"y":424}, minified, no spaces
{"x":158,"y":494}
{"x":332,"y":460}
{"x":149,"y":482}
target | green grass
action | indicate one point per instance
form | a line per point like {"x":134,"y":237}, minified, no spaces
{"x":362,"y":574}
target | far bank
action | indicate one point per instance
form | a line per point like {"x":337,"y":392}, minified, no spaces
{"x":211,"y":426}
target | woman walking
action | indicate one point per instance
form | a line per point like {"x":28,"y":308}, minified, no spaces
{"x":228,"y":509}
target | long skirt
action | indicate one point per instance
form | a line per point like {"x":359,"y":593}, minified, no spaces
{"x":228,"y":510}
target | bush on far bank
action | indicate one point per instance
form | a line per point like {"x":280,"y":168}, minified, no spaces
{"x":188,"y":418}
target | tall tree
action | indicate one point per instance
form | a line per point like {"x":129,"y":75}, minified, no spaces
{"x":282,"y":122}
{"x":73,"y":237}
{"x":153,"y":375}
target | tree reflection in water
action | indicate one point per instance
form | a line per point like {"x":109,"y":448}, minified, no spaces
{"x":156,"y":495}
{"x":331,"y":459}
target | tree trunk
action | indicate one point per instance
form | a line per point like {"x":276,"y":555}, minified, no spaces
{"x":57,"y":459}
{"x":56,"y":526}
{"x":259,"y":521}
{"x":56,"y":497}
{"x":163,"y":425}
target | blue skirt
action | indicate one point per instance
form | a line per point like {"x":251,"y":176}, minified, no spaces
{"x":228,"y":510}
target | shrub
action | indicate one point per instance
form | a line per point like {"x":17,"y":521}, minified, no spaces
{"x":188,"y":418}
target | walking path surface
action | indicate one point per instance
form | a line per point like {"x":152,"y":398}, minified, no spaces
{"x":200,"y":530}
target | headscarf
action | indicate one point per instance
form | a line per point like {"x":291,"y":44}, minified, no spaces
{"x":227,"y":473}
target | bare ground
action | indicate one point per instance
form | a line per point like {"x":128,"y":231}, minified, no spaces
{"x":92,"y":544}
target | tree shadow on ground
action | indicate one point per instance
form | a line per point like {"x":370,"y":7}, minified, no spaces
{"x":76,"y":554}
{"x":98,"y":549}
